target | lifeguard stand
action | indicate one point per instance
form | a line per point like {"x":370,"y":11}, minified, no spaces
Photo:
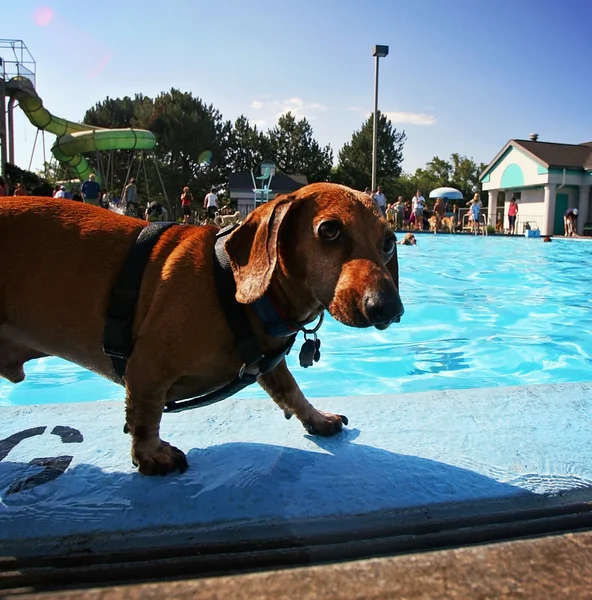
{"x":262,"y":191}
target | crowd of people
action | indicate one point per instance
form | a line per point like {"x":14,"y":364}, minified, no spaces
{"x":415,"y":214}
{"x":418,"y":214}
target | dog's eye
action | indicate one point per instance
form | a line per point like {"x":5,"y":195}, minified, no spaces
{"x":389,"y":246}
{"x":330,"y":230}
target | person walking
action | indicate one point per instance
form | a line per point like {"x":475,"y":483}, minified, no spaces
{"x":211,"y":204}
{"x":186,"y":204}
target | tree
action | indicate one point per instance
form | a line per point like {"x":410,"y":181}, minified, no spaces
{"x":459,"y":172}
{"x":465,"y":174}
{"x":355,"y":158}
{"x":114,"y":113}
{"x":191,"y":140}
{"x":294,"y":149}
{"x":247,"y":147}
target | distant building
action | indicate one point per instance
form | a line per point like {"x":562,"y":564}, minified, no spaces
{"x":242,"y":191}
{"x":546,"y":178}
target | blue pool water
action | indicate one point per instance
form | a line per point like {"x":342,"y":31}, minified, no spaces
{"x":479,"y":312}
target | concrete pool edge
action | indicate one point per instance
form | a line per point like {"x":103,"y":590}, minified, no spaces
{"x":370,"y":523}
{"x":407,"y":529}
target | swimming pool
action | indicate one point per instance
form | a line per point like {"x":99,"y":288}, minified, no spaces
{"x":479,"y":312}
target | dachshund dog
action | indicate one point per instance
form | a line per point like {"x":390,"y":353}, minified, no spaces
{"x":324,"y":246}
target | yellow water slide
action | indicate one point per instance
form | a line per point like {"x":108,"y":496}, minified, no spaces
{"x":74,"y":139}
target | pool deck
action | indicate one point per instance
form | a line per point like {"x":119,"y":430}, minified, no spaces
{"x":67,"y":484}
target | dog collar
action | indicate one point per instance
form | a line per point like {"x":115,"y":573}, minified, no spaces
{"x":273,"y":324}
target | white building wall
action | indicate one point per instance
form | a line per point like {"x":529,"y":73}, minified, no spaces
{"x":530,"y":208}
{"x":528,"y":166}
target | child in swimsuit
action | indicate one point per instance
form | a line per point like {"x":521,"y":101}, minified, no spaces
{"x":475,"y":210}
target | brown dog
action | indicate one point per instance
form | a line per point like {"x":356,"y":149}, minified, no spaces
{"x":433,"y":221}
{"x":449,"y":223}
{"x":322,"y":247}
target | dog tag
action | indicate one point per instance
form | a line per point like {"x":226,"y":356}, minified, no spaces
{"x":307,"y":353}
{"x":317,"y":354}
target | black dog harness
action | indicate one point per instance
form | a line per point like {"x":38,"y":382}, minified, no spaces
{"x":117,"y":335}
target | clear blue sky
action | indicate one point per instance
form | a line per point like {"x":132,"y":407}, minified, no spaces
{"x":462,"y":75}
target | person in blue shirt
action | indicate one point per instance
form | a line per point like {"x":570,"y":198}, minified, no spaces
{"x":91,"y":191}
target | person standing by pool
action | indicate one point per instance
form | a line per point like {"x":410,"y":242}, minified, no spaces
{"x":155,"y":213}
{"x":130,"y":198}
{"x":475,"y":212}
{"x":105,"y":198}
{"x":186,"y":202}
{"x":380,"y":199}
{"x":417,"y":206}
{"x":570,"y":218}
{"x":399,"y":209}
{"x":439,"y":211}
{"x":211,"y":204}
{"x":512,"y":213}
{"x":91,"y":191}
{"x":20,"y":190}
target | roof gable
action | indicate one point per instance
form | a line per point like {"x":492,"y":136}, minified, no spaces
{"x":563,"y":156}
{"x":280,"y":183}
{"x":547,"y":154}
{"x":509,"y":147}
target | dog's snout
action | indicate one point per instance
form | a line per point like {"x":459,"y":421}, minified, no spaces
{"x":383,"y":307}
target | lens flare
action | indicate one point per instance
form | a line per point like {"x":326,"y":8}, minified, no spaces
{"x":101,"y":63}
{"x":205,"y":158}
{"x":43,"y":16}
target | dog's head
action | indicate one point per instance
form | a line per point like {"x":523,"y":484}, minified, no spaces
{"x":324,"y":246}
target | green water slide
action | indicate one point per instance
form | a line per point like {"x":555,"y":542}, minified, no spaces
{"x":74,"y":139}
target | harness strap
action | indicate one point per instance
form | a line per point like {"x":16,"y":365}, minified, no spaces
{"x":244,"y":337}
{"x":236,"y":314}
{"x":117,"y":334}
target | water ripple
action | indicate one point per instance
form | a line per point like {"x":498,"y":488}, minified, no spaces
{"x":479,"y":312}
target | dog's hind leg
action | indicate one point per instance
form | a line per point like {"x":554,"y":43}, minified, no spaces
{"x":284,"y":391}
{"x":12,"y":358}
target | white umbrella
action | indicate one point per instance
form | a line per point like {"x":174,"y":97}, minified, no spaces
{"x":447,"y":193}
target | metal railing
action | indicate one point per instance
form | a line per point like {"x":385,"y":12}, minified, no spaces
{"x":16,"y":61}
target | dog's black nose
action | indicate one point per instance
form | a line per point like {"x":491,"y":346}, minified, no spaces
{"x":383,"y":307}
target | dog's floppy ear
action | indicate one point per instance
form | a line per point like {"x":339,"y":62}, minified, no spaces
{"x":253,"y":247}
{"x":392,"y":267}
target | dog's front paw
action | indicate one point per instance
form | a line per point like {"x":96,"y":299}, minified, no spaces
{"x":321,"y":423}
{"x":158,"y":460}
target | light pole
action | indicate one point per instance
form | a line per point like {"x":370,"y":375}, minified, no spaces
{"x":379,"y":52}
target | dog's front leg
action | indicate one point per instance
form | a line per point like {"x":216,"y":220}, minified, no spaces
{"x":143,"y":411}
{"x":284,"y":391}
